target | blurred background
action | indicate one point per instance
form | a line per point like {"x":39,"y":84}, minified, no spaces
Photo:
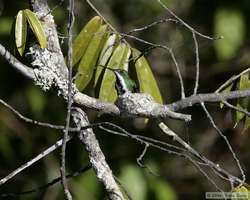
{"x":173,"y":177}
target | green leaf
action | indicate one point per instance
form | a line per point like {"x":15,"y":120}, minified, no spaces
{"x":36,"y":27}
{"x":244,"y":82}
{"x":246,"y":124}
{"x":83,"y":39}
{"x":134,"y":182}
{"x":242,"y":103}
{"x":145,"y":76}
{"x":125,"y":58}
{"x":239,"y":115}
{"x":118,"y":60}
{"x":87,"y":186}
{"x":6,"y":24}
{"x":162,"y":190}
{"x":90,"y":57}
{"x":230,"y":24}
{"x":105,"y":55}
{"x":241,"y":193}
{"x":36,"y":99}
{"x":227,"y":89}
{"x":20,"y":32}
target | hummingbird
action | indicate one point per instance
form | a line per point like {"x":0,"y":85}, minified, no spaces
{"x":123,"y":82}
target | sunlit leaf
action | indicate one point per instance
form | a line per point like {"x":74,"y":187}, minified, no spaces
{"x":230,"y":24}
{"x":20,"y":32}
{"x":105,"y":55}
{"x":89,"y":60}
{"x":244,"y":82}
{"x":83,"y":39}
{"x":125,"y":58}
{"x":227,"y":89}
{"x":147,"y":82}
{"x":133,"y":181}
{"x":241,"y":193}
{"x":118,"y":60}
{"x":242,"y":103}
{"x":36,"y":27}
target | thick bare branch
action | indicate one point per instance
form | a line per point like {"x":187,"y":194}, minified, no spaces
{"x":96,"y":157}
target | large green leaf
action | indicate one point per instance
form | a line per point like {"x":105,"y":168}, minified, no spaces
{"x":83,"y":39}
{"x":20,"y":31}
{"x":147,"y":82}
{"x":230,"y":24}
{"x":118,"y":60}
{"x":105,"y":55}
{"x":36,"y":27}
{"x":90,"y":57}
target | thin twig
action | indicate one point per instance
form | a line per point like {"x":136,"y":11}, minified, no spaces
{"x":139,"y":159}
{"x":183,"y":153}
{"x":103,"y":18}
{"x":151,"y":25}
{"x":185,"y":24}
{"x":28,"y":120}
{"x":179,"y":74}
{"x":170,"y":51}
{"x":66,"y":132}
{"x":239,"y":109}
{"x":204,"y":173}
{"x":197,"y":58}
{"x":227,"y":142}
{"x":56,"y":6}
{"x":175,"y":137}
{"x":204,"y":160}
{"x":231,"y":80}
{"x":47,"y":185}
{"x":122,"y":132}
{"x":33,"y":160}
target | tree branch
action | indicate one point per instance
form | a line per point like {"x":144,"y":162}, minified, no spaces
{"x":23,"y":69}
{"x":96,"y":157}
{"x":207,"y":97}
{"x":110,"y":108}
